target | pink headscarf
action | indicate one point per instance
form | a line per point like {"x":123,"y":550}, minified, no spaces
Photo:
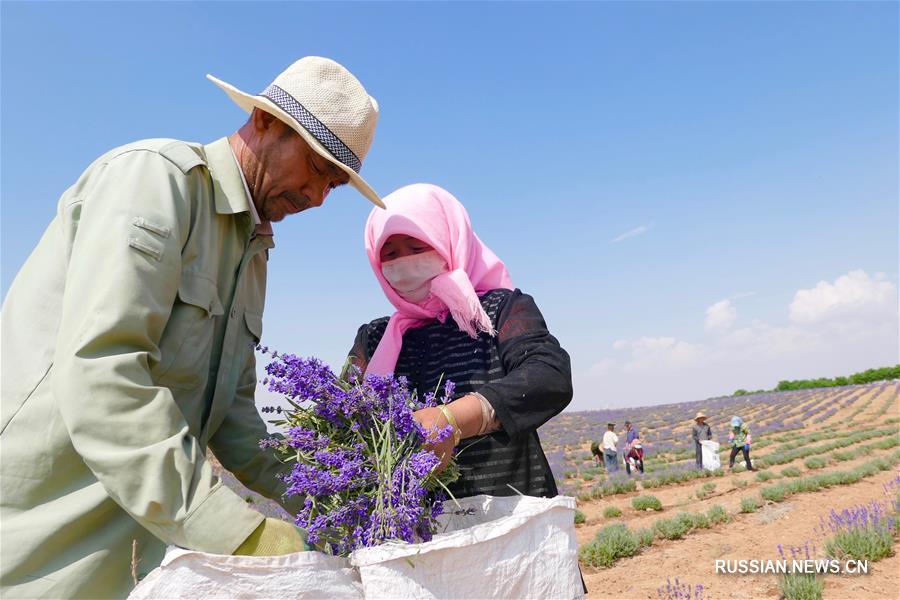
{"x":432,"y":215}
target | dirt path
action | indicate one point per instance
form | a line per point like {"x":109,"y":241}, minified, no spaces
{"x":751,"y":536}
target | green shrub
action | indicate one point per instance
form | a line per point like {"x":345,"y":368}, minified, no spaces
{"x":705,"y":490}
{"x":791,"y":472}
{"x":611,"y":512}
{"x":611,"y":543}
{"x":672,"y":529}
{"x":864,"y":543}
{"x":815,"y":462}
{"x":843,"y":455}
{"x":587,"y":477}
{"x":700,"y":521}
{"x":749,"y":504}
{"x":885,"y":444}
{"x":813,"y":483}
{"x":650,"y":483}
{"x":717,"y":514}
{"x":579,"y":517}
{"x":621,"y":486}
{"x":774,"y":493}
{"x":739,"y":483}
{"x":766,"y":476}
{"x":645,"y":536}
{"x":646,"y":502}
{"x":673,"y":477}
{"x":797,"y":586}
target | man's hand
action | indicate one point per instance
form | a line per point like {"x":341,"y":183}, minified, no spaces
{"x":433,"y":420}
{"x":274,"y":537}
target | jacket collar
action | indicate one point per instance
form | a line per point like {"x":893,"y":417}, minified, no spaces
{"x":231,"y":198}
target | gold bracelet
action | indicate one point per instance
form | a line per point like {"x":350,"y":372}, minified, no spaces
{"x":448,"y":414}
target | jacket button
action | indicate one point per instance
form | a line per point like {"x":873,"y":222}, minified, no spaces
{"x":233,"y":312}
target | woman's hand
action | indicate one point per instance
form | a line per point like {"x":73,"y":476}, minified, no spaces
{"x":433,"y":420}
{"x":467,"y":413}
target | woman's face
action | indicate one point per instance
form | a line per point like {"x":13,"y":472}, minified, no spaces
{"x":398,"y":246}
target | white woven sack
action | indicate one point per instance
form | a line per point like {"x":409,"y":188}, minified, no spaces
{"x":491,"y":547}
{"x":710,"y":453}
{"x":196,"y":575}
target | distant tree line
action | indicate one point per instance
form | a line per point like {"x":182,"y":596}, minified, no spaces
{"x":867,"y":376}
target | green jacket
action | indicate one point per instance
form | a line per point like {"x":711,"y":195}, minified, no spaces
{"x":127,"y":351}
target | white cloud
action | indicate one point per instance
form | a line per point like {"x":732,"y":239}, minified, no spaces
{"x":854,"y":295}
{"x":720,"y":316}
{"x":832,"y":329}
{"x":631,"y":233}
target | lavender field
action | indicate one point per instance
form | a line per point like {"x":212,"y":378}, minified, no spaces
{"x":826,"y":486}
{"x":665,"y":429}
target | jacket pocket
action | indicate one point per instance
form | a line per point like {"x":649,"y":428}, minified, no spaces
{"x":186,"y":344}
{"x":254,"y":324}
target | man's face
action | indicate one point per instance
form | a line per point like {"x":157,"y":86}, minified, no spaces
{"x":290,"y":176}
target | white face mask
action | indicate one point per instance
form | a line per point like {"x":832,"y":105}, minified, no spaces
{"x":411,"y":275}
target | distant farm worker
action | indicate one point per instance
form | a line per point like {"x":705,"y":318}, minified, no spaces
{"x":700,"y":432}
{"x":634,"y":451}
{"x":610,"y":448}
{"x":596,"y":452}
{"x":739,"y":437}
{"x":128,"y":337}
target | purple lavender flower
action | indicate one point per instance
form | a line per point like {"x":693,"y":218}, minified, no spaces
{"x":360,"y":461}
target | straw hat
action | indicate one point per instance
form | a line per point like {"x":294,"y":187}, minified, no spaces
{"x":700,"y":415}
{"x":327,"y":106}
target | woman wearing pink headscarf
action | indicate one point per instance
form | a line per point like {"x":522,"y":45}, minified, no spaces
{"x":459,"y":318}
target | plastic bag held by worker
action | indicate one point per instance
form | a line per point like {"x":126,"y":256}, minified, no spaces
{"x":487,"y":547}
{"x":185,"y":574}
{"x":493,"y":547}
{"x":710,"y":454}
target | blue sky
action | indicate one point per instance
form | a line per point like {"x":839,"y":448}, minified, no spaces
{"x":636,"y":165}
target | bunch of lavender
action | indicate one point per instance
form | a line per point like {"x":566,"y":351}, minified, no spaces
{"x":360,"y":460}
{"x":800,"y":586}
{"x":862,"y":532}
{"x":805,"y":552}
{"x":681,"y":591}
{"x":892,"y":492}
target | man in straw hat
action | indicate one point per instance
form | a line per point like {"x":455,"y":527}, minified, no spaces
{"x":700,"y":431}
{"x":128,"y":342}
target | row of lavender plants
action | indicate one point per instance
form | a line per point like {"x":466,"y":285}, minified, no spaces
{"x":665,"y":428}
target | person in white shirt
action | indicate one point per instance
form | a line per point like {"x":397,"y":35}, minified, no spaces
{"x":610,"y":452}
